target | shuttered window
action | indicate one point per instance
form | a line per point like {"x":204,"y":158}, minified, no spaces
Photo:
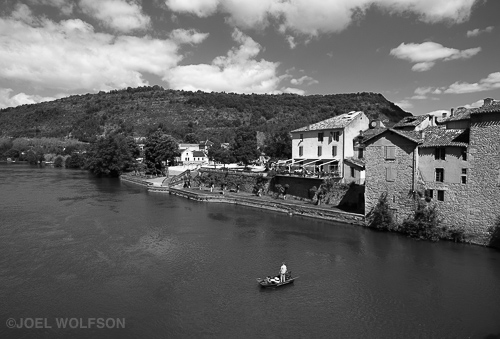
{"x":390,"y":174}
{"x":301,"y":151}
{"x":320,"y":150}
{"x":390,"y":152}
{"x":334,"y":151}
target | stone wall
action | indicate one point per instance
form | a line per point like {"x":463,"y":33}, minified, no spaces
{"x":246,"y":180}
{"x":298,"y":186}
{"x":484,"y":176}
{"x":400,"y":195}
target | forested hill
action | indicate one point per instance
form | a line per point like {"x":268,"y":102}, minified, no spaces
{"x":186,"y":115}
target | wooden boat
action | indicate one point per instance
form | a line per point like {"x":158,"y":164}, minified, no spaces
{"x":275,"y":281}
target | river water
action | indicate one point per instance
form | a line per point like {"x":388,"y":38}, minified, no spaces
{"x":77,"y":247}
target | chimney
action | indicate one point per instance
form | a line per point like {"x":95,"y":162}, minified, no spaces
{"x":451,"y":112}
{"x":444,"y":115}
{"x":487,"y":101}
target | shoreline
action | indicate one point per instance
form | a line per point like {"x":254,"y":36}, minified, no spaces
{"x":291,"y":207}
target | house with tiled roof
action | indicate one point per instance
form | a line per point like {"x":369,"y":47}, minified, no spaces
{"x":456,"y":164}
{"x":416,"y":123}
{"x":323,"y":146}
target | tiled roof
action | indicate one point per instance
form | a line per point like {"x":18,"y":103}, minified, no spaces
{"x":199,"y":154}
{"x":440,"y":136}
{"x":339,"y":121}
{"x":412,"y":121}
{"x":492,"y":108}
{"x":414,"y":136}
{"x":355,"y":161}
{"x":460,"y":113}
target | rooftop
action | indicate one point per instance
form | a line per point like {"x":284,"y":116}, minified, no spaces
{"x":339,"y":121}
{"x":440,"y":136}
{"x":414,"y":136}
{"x":412,"y":121}
{"x":493,"y":107}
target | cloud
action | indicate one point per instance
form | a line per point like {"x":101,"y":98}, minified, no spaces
{"x":188,"y":36}
{"x":238,"y":71}
{"x":201,"y":8}
{"x":303,"y":80}
{"x":6,"y":100}
{"x":291,"y":41}
{"x":491,"y":82}
{"x":477,"y":31}
{"x":120,"y":15}
{"x":70,"y":56}
{"x":313,"y":17}
{"x":422,"y":93}
{"x":404,"y":104}
{"x":426,"y":54}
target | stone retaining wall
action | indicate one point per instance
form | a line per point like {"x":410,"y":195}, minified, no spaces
{"x":291,"y":209}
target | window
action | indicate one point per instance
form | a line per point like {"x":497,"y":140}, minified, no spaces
{"x":334,"y":151}
{"x":464,"y":155}
{"x":440,"y":174}
{"x":429,"y":194}
{"x":390,"y":174}
{"x":360,"y":153}
{"x":320,"y":150}
{"x":440,"y":153}
{"x":390,"y":152}
{"x":353,"y":172}
{"x":334,"y":136}
{"x":301,"y":136}
{"x":320,"y":137}
{"x":463,"y":178}
{"x":301,"y":151}
{"x":440,"y":195}
{"x":334,"y":168}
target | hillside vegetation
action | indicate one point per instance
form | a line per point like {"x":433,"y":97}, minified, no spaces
{"x":186,"y":115}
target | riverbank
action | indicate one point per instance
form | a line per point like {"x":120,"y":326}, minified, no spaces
{"x":290,"y":206}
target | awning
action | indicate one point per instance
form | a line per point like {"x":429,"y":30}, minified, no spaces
{"x":299,"y":161}
{"x":283,"y":162}
{"x":334,"y":160}
{"x":312,"y":162}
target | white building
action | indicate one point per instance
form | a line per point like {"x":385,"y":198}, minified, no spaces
{"x":325,"y":145}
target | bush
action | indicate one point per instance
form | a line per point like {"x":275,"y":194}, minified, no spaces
{"x":424,"y":224}
{"x":381,"y":217}
{"x":58,"y":162}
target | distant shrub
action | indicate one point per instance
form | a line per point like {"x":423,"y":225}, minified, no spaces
{"x":58,"y":162}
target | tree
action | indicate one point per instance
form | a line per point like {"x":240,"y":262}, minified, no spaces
{"x":110,"y":156}
{"x":220,"y":154}
{"x":75,"y":160}
{"x":160,"y":147}
{"x":279,"y":145}
{"x":244,"y":147}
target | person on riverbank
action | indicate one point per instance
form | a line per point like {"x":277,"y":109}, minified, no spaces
{"x":282,"y":272}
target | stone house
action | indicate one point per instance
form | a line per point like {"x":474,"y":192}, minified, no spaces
{"x":416,"y":123}
{"x":391,"y":159}
{"x":323,"y":146}
{"x":456,"y":164}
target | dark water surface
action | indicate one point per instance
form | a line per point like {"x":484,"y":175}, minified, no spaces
{"x":75,"y":246}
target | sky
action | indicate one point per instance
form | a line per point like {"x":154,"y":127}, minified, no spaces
{"x":424,"y":55}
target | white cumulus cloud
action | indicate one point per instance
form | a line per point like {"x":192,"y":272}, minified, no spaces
{"x":491,"y":82}
{"x":426,"y":54}
{"x":313,"y":17}
{"x":9,"y":100}
{"x":188,"y":36}
{"x":477,"y":31}
{"x":304,"y":80}
{"x":70,"y":55}
{"x":123,"y":16}
{"x":239,"y":71}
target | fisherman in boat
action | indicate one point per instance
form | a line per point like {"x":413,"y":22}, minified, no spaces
{"x":282,"y":272}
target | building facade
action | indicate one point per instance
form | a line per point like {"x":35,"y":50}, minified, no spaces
{"x":323,"y":146}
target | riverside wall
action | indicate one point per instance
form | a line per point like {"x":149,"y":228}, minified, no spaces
{"x":277,"y":206}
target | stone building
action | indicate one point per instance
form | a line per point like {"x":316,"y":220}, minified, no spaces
{"x":457,"y":165}
{"x":391,"y":157}
{"x":484,"y":164}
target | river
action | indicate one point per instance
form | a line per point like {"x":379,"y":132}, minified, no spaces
{"x":146,"y":265}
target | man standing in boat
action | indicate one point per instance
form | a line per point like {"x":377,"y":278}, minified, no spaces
{"x":282,"y":272}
